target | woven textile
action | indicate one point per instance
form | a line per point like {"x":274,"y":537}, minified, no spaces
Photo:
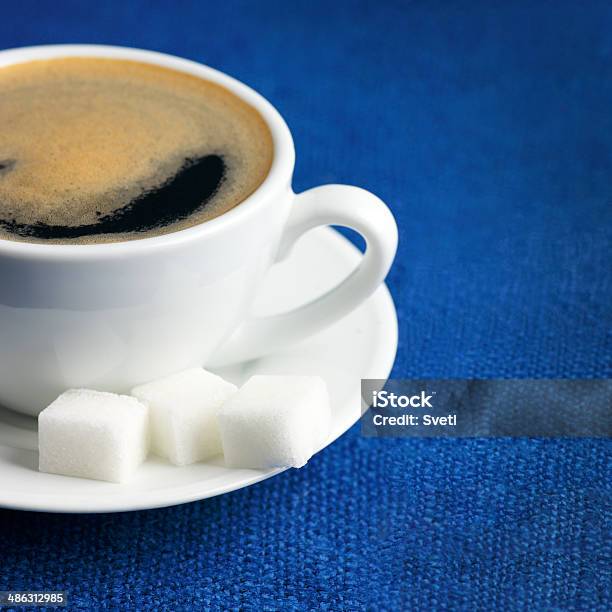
{"x":487,"y":128}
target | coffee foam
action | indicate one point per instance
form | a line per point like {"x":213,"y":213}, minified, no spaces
{"x":83,"y":137}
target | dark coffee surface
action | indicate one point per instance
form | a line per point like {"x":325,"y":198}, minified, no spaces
{"x":106,"y":150}
{"x":180,"y":196}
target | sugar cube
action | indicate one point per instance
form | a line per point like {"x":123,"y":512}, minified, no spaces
{"x":275,"y":421}
{"x":93,"y":434}
{"x":183,"y":411}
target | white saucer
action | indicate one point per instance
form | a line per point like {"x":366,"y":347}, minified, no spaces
{"x":362,"y":345}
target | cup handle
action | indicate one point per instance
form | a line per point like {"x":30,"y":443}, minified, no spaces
{"x":326,"y":205}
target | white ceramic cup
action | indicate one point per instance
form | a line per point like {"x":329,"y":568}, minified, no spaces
{"x":109,"y":316}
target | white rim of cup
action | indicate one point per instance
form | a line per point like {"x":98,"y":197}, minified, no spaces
{"x":280,"y":172}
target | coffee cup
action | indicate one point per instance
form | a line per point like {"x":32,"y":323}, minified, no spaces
{"x":113,"y":315}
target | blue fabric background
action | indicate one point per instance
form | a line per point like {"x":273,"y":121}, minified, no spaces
{"x":487,"y":127}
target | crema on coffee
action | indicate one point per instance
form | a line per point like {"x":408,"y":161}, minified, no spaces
{"x":102,"y":150}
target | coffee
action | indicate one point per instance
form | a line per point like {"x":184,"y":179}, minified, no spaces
{"x":101,"y":150}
